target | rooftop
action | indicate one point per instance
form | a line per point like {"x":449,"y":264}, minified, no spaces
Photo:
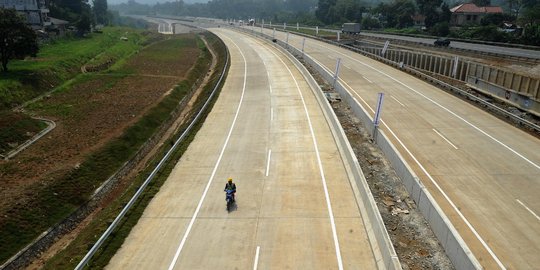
{"x":472,"y":8}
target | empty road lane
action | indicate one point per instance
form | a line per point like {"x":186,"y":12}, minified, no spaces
{"x":296,"y":208}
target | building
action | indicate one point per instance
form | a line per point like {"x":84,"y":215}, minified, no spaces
{"x":58,"y":27}
{"x":35,"y":11}
{"x":469,"y":13}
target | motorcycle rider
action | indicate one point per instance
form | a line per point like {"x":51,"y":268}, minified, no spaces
{"x":231,"y":186}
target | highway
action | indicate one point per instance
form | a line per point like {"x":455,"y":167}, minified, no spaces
{"x":296,"y":208}
{"x":508,"y":51}
{"x":483,"y":172}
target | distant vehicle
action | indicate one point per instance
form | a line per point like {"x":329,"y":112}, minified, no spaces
{"x":350,"y":28}
{"x":240,"y":22}
{"x":442,"y":42}
{"x":251,"y":22}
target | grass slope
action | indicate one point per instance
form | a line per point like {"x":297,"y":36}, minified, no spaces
{"x":60,"y":60}
{"x":78,"y":248}
{"x":59,"y":199}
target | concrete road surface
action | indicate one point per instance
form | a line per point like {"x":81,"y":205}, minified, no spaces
{"x":508,"y":51}
{"x":483,"y":172}
{"x":296,"y":209}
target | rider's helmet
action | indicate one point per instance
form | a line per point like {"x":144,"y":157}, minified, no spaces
{"x":230,"y":180}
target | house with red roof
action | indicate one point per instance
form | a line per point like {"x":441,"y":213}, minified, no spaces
{"x":470,"y":13}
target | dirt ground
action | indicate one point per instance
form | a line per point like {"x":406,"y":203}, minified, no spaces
{"x":87,"y":117}
{"x":414,"y":241}
{"x":65,"y":240}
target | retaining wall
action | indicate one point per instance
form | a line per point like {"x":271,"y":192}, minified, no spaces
{"x":517,"y":89}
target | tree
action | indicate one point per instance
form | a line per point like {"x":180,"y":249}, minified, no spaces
{"x":100,"y":11}
{"x":429,"y":8}
{"x":482,"y":3}
{"x":84,"y":23}
{"x":446,"y":14}
{"x":17,"y":40}
{"x":325,"y":10}
{"x":397,"y":14}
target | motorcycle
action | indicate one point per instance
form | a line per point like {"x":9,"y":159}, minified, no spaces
{"x":229,"y":197}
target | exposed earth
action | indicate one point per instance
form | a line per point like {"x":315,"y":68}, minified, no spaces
{"x":87,"y":117}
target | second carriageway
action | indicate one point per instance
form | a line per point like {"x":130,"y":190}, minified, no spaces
{"x":483,"y":172}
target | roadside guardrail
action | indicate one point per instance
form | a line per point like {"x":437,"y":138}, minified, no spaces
{"x":456,"y":249}
{"x":378,"y":235}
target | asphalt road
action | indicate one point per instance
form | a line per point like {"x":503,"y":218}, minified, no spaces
{"x":507,"y":51}
{"x":296,"y":208}
{"x":516,"y":52}
{"x":483,"y":172}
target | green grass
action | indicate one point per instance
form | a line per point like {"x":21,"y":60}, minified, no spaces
{"x":56,"y":201}
{"x":78,"y":248}
{"x":61,"y":60}
{"x":16,"y":128}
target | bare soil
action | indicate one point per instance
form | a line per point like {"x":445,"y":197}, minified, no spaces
{"x":89,"y":115}
{"x":412,"y":237}
{"x":65,"y":240}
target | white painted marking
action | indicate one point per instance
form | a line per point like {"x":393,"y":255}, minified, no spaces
{"x":256,"y":262}
{"x":188,"y":230}
{"x":484,"y":244}
{"x":402,"y":105}
{"x":528,"y":209}
{"x":321,"y":170}
{"x":271,"y":114}
{"x":268,"y":74}
{"x":442,"y":107}
{"x":367,"y":79}
{"x":268,"y":161}
{"x":347,"y":66}
{"x":445,"y":138}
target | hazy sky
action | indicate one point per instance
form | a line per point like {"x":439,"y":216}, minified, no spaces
{"x":112,"y":2}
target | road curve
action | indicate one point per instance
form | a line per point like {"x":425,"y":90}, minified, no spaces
{"x":296,"y":208}
{"x":483,"y":172}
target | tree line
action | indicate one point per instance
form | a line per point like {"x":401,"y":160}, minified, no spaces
{"x":80,"y":13}
{"x":372,"y":14}
{"x":19,"y":39}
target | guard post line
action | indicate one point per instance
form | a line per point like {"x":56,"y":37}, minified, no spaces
{"x":376,"y":119}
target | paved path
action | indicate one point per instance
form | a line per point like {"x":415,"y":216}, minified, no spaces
{"x":483,"y":172}
{"x":508,"y":51}
{"x":296,"y":208}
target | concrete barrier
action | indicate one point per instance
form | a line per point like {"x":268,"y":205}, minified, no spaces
{"x":456,"y":249}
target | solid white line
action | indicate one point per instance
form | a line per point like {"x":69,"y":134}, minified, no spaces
{"x":256,"y":262}
{"x":188,"y":230}
{"x":528,"y":209}
{"x":269,"y":84}
{"x":268,"y":161}
{"x":397,"y":101}
{"x":367,"y":79}
{"x":271,"y":114}
{"x":442,"y":107}
{"x":469,"y":225}
{"x":445,"y":139}
{"x":321,"y":170}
